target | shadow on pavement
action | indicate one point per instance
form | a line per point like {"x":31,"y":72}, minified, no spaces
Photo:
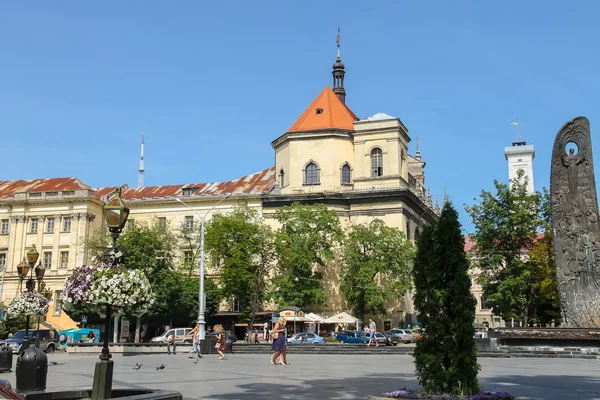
{"x":532,"y":387}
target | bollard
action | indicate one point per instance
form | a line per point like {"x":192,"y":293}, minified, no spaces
{"x":31,"y":371}
{"x":6,"y":357}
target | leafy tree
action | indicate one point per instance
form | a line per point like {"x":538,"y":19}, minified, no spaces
{"x":377,"y":262}
{"x":506,"y":227}
{"x":11,"y":325}
{"x":305,"y":241}
{"x":445,"y":355}
{"x":242,"y":247}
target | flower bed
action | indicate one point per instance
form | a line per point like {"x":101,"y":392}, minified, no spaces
{"x":91,"y":288}
{"x":28,"y":304}
{"x":409,"y":394}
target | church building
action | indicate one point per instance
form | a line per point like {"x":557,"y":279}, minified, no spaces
{"x":359,"y":167}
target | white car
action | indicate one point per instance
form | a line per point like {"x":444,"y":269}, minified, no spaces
{"x":179,"y":334}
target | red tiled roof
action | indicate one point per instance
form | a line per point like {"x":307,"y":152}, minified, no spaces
{"x":9,"y":188}
{"x":333,"y":115}
{"x":257,"y":183}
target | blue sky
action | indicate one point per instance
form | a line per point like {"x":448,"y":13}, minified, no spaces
{"x":211,"y":84}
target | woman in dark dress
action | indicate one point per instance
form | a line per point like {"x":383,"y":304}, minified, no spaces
{"x":279,"y":343}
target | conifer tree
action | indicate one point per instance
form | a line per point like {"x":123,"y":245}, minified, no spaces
{"x":446,"y":355}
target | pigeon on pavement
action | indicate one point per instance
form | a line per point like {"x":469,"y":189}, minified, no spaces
{"x":137,"y":366}
{"x":161,"y":366}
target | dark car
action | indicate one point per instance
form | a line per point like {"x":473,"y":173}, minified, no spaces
{"x":392,"y":339}
{"x":48,"y":339}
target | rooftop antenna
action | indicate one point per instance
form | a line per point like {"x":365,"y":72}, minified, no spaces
{"x":141,"y":170}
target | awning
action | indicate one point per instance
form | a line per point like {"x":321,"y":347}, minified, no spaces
{"x":314,"y":317}
{"x":341,"y":318}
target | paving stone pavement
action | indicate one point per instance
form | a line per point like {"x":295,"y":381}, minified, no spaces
{"x":310,"y":376}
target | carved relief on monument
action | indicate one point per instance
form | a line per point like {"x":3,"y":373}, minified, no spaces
{"x":575,"y":225}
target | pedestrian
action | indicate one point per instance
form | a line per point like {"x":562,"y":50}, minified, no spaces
{"x":221,"y":341}
{"x":266,"y":332}
{"x":279,"y":342}
{"x":195,"y":343}
{"x":171,"y":342}
{"x":91,"y":337}
{"x":372,"y":330}
{"x":256,"y":336}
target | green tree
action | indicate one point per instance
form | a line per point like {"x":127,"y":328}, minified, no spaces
{"x":11,"y":325}
{"x":242,"y":247}
{"x":506,"y":227}
{"x":305,"y":242}
{"x":445,"y":355}
{"x":377,"y":263}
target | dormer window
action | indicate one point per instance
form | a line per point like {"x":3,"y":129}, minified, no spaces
{"x":319,"y":111}
{"x":188,"y":191}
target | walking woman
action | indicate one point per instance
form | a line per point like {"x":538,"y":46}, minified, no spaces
{"x":221,"y":340}
{"x":195,"y":343}
{"x":279,"y":341}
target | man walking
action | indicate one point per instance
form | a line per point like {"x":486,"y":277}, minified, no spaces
{"x":372,"y":330}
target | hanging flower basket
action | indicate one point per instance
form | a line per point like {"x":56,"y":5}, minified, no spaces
{"x":28,"y":304}
{"x":91,"y":288}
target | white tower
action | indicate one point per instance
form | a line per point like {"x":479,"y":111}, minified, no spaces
{"x":520,"y":157}
{"x":141,"y":170}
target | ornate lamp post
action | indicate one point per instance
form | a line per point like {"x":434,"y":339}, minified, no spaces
{"x":23,"y":270}
{"x":116,"y":213}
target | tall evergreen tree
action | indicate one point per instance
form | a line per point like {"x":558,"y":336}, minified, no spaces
{"x":446,"y":355}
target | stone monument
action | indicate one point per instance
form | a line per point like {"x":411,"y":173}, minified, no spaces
{"x":576,"y":226}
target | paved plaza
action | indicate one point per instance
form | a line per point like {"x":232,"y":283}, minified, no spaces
{"x":251,"y":376}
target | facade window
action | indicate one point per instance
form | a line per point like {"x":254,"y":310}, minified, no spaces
{"x":47,"y":259}
{"x":408,"y":230}
{"x":2,"y":259}
{"x":417,"y":234}
{"x":64,"y":259}
{"x":57,"y":307}
{"x":130,"y":224}
{"x":162,"y":222}
{"x":50,"y":225}
{"x":67,"y":224}
{"x":281,"y":178}
{"x":189,"y":222}
{"x":188,"y":257}
{"x":33,"y":228}
{"x":376,"y":162}
{"x":484,"y":304}
{"x":345,"y":174}
{"x":4,"y":229}
{"x":311,"y":174}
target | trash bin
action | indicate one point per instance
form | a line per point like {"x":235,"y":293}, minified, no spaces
{"x":228,"y":346}
{"x":6,"y":357}
{"x":207,"y":346}
{"x":32,"y":370}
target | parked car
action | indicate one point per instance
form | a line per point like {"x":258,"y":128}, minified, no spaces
{"x":48,"y":339}
{"x":306,"y":338}
{"x":379,"y":338}
{"x":392,"y":339}
{"x":404,"y":335}
{"x":351,"y":337}
{"x":179,"y":333}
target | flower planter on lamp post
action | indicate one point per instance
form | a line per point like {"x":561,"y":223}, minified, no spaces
{"x":116,"y":213}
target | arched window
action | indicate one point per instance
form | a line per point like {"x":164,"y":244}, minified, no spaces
{"x":346,"y":176}
{"x":376,"y":162}
{"x":311,"y":174}
{"x":417,"y":235}
{"x":281,"y":178}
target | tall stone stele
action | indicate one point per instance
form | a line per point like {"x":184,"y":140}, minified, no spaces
{"x":576,"y":226}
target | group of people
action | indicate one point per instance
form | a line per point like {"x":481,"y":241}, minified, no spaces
{"x":279,"y":335}
{"x":219,"y":346}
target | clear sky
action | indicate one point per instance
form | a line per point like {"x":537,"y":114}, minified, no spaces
{"x":211,"y":84}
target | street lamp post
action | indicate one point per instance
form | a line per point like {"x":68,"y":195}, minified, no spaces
{"x":201,"y":304}
{"x":116,"y":213}
{"x":24,"y":269}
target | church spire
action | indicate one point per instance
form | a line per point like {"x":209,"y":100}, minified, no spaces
{"x":338,"y":74}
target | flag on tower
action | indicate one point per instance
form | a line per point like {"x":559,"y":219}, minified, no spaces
{"x":514,"y":122}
